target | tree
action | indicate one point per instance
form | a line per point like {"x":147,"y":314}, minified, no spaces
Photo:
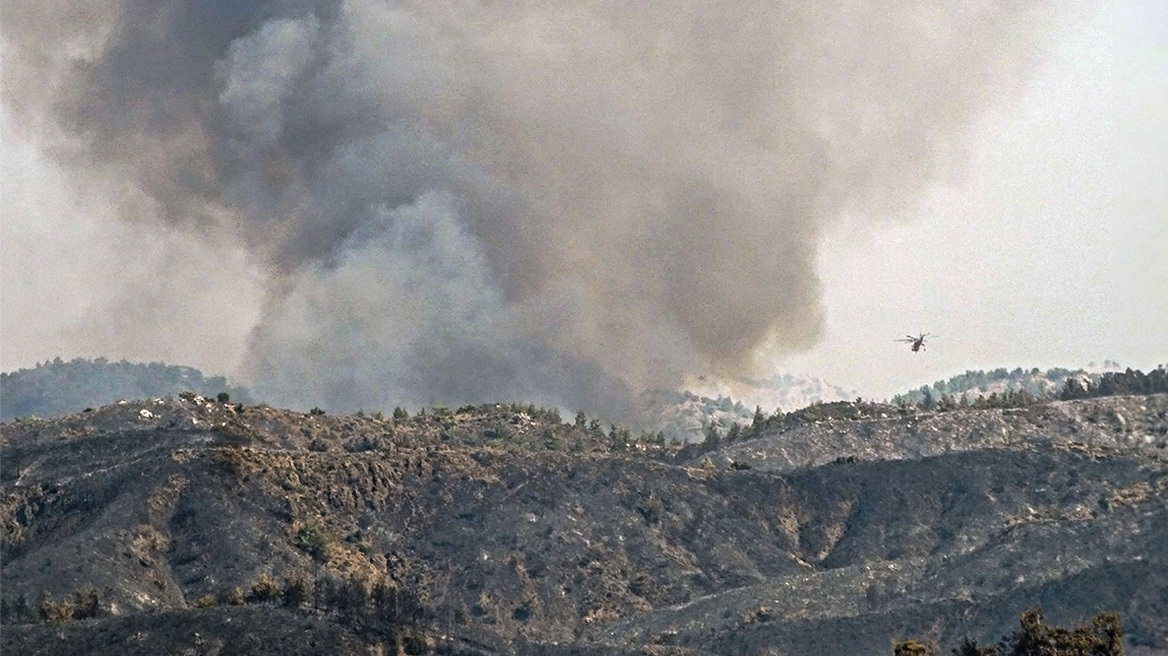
{"x":759,"y":420}
{"x":713,"y":436}
{"x":297,"y":592}
{"x":734,"y":433}
{"x":1073,"y":389}
{"x":927,"y":401}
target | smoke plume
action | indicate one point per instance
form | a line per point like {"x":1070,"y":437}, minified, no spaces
{"x":467,"y":200}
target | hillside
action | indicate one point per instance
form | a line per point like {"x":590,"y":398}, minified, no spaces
{"x":1035,"y":381}
{"x":55,"y":388}
{"x":205,"y":527}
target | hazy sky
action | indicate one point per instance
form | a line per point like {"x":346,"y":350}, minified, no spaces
{"x":1054,"y":250}
{"x":1048,"y":251}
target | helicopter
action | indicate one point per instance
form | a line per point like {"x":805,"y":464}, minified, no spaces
{"x":918,"y":342}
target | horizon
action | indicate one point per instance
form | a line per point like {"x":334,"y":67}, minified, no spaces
{"x":741,"y":391}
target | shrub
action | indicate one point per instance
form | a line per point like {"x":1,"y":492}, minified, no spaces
{"x":62,"y":611}
{"x":47,"y":608}
{"x":15,"y":611}
{"x":414,"y":643}
{"x":913,"y":648}
{"x":206,"y":601}
{"x":235,"y":597}
{"x":86,"y":604}
{"x":297,"y":592}
{"x":223,"y":397}
{"x":312,"y":539}
{"x":265,"y":590}
{"x":65,"y":610}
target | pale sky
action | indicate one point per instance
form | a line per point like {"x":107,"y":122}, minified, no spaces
{"x":1051,"y":253}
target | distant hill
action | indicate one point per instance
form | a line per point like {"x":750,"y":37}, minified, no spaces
{"x":57,"y":387}
{"x":707,"y":401}
{"x":976,"y":383}
{"x":784,"y":392}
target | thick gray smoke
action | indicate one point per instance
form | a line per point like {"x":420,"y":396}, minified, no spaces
{"x":469,"y":200}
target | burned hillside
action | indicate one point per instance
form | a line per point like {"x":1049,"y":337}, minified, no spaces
{"x":502,"y":528}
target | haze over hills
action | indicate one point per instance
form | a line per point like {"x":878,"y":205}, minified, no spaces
{"x":59,"y":387}
{"x":501,"y":529}
{"x":707,"y":402}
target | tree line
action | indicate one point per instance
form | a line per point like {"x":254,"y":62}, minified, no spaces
{"x":1117,"y":384}
{"x":1101,"y":636}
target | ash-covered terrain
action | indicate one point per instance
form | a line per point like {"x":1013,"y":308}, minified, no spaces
{"x":190,"y":526}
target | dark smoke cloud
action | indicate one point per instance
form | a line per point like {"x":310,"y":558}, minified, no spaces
{"x":566,"y":201}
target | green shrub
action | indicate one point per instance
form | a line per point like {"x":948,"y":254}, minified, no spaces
{"x":312,"y":539}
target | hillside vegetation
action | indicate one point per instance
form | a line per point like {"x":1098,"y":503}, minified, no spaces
{"x":503,"y":528}
{"x":992,"y":387}
{"x":974,"y":383}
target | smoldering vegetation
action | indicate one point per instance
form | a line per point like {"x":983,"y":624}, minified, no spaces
{"x":564,"y":202}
